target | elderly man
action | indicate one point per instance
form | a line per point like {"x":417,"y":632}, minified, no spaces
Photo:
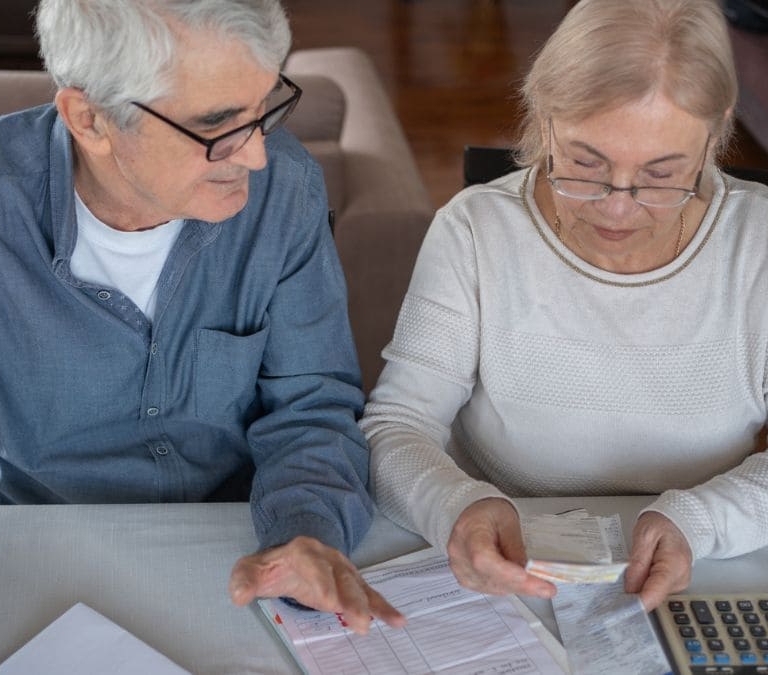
{"x":173,"y":311}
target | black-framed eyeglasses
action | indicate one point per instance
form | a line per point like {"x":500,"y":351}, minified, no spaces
{"x":229,"y":143}
{"x":647,"y":195}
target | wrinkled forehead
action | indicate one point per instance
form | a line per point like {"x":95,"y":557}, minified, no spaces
{"x":640,"y":131}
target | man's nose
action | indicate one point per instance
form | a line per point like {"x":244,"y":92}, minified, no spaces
{"x":253,"y":154}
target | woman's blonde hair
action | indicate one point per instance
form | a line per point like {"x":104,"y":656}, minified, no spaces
{"x":607,"y":53}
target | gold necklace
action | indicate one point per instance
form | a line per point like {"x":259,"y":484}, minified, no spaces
{"x":680,"y":234}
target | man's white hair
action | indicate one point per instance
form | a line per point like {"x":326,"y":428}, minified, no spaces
{"x":119,"y":51}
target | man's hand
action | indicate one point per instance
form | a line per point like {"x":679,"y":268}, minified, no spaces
{"x":660,"y":561}
{"x":487,"y":554}
{"x":317,"y":576}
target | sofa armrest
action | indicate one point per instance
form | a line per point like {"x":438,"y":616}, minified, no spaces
{"x":21,"y":89}
{"x":386,"y":208}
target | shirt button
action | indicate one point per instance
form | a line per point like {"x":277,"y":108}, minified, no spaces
{"x":161,"y":450}
{"x":153,"y":411}
{"x":153,"y":349}
{"x":103,"y":295}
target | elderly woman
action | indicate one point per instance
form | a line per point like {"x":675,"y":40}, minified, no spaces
{"x":596,"y":323}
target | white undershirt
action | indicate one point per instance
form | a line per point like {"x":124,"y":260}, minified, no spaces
{"x":131,"y":262}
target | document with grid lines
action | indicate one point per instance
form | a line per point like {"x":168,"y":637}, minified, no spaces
{"x":450,"y":629}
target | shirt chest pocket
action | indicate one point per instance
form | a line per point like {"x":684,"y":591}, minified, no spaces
{"x":226,"y":371}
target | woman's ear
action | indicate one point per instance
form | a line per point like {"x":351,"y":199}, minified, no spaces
{"x":87,"y":124}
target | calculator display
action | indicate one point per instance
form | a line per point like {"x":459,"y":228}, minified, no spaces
{"x":716,"y":634}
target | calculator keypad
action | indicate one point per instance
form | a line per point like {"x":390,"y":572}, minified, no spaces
{"x":716,"y":635}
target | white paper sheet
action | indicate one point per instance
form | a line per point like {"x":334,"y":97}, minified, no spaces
{"x":607,"y":631}
{"x":83,"y":642}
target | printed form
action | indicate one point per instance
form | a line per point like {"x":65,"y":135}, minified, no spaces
{"x":450,"y":629}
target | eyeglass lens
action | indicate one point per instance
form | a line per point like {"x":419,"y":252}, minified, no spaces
{"x":649,"y":196}
{"x":281,"y":104}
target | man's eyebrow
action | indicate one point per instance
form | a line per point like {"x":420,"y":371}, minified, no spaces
{"x":657,"y":160}
{"x":215,"y":117}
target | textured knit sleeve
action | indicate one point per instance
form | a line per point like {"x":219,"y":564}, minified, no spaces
{"x":726,"y":516}
{"x":430,"y":373}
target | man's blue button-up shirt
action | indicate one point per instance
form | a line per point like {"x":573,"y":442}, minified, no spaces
{"x":249,"y":363}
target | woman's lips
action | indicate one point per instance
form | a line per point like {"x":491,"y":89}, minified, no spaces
{"x":613,"y":235}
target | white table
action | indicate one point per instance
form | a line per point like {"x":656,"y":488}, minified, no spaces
{"x":161,"y":572}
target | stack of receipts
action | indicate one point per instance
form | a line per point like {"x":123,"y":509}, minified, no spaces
{"x":603,"y":629}
{"x":573,"y":547}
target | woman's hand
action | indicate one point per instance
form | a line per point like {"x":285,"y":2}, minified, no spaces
{"x":660,"y":561}
{"x":487,"y":554}
{"x":315,"y":575}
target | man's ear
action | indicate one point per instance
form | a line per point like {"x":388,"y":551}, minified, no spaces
{"x":86,"y":123}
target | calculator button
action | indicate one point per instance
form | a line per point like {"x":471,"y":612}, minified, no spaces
{"x":687,"y":631}
{"x":763,"y":604}
{"x":693,"y":645}
{"x":709,"y":631}
{"x":701,"y":612}
{"x":762,"y":645}
{"x":751,"y":617}
{"x":723,"y":606}
{"x":744,"y":605}
{"x":697,"y":659}
{"x":676,"y":606}
{"x":757,"y":631}
{"x":735,"y":631}
{"x":721,"y":658}
{"x":728,"y":617}
{"x":682,"y":619}
{"x":748,"y":657}
{"x":715,"y":645}
{"x":741,"y":645}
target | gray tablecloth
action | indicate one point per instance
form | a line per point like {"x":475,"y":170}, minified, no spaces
{"x":161,"y":572}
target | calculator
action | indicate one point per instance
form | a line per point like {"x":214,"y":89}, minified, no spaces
{"x":716,"y":634}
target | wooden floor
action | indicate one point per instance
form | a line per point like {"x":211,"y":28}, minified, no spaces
{"x":451,"y":68}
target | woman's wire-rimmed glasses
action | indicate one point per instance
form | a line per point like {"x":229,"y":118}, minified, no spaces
{"x":229,"y":143}
{"x":647,"y":195}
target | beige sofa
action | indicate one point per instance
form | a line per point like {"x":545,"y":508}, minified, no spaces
{"x":381,"y":206}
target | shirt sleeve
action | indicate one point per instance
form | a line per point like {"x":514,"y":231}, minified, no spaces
{"x":725,"y":516}
{"x":430,"y":372}
{"x":310,"y":456}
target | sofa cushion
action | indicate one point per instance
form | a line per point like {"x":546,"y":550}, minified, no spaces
{"x":319,"y":116}
{"x":317,"y":122}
